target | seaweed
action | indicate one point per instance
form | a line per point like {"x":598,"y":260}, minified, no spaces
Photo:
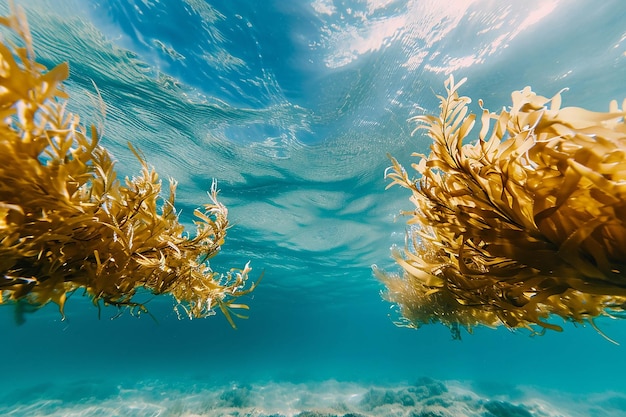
{"x":68,"y":223}
{"x":523,"y":223}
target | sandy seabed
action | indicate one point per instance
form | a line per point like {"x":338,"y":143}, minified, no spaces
{"x":424,"y":398}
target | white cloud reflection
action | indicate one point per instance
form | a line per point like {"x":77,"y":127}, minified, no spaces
{"x":426,"y":30}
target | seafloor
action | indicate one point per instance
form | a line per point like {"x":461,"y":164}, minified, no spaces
{"x":424,"y":398}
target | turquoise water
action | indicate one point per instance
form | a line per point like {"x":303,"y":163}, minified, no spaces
{"x":293,"y":107}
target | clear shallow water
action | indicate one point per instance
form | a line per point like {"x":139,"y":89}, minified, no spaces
{"x":293,"y":108}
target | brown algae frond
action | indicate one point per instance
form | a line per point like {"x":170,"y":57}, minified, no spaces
{"x":68,"y":223}
{"x":526,"y":222}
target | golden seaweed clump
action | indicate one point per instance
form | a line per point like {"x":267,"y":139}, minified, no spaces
{"x":526,"y":222}
{"x":67,"y":222}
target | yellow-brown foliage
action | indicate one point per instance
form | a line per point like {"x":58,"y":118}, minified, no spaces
{"x":525,"y":222}
{"x":67,"y":222}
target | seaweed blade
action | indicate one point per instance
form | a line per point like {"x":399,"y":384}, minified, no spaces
{"x":67,"y":222}
{"x":526,"y":222}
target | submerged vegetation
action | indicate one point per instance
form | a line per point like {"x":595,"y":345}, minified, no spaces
{"x":67,"y":223}
{"x":526,"y":222}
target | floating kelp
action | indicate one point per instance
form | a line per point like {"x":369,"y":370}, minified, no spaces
{"x":526,"y":222}
{"x":67,"y":222}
